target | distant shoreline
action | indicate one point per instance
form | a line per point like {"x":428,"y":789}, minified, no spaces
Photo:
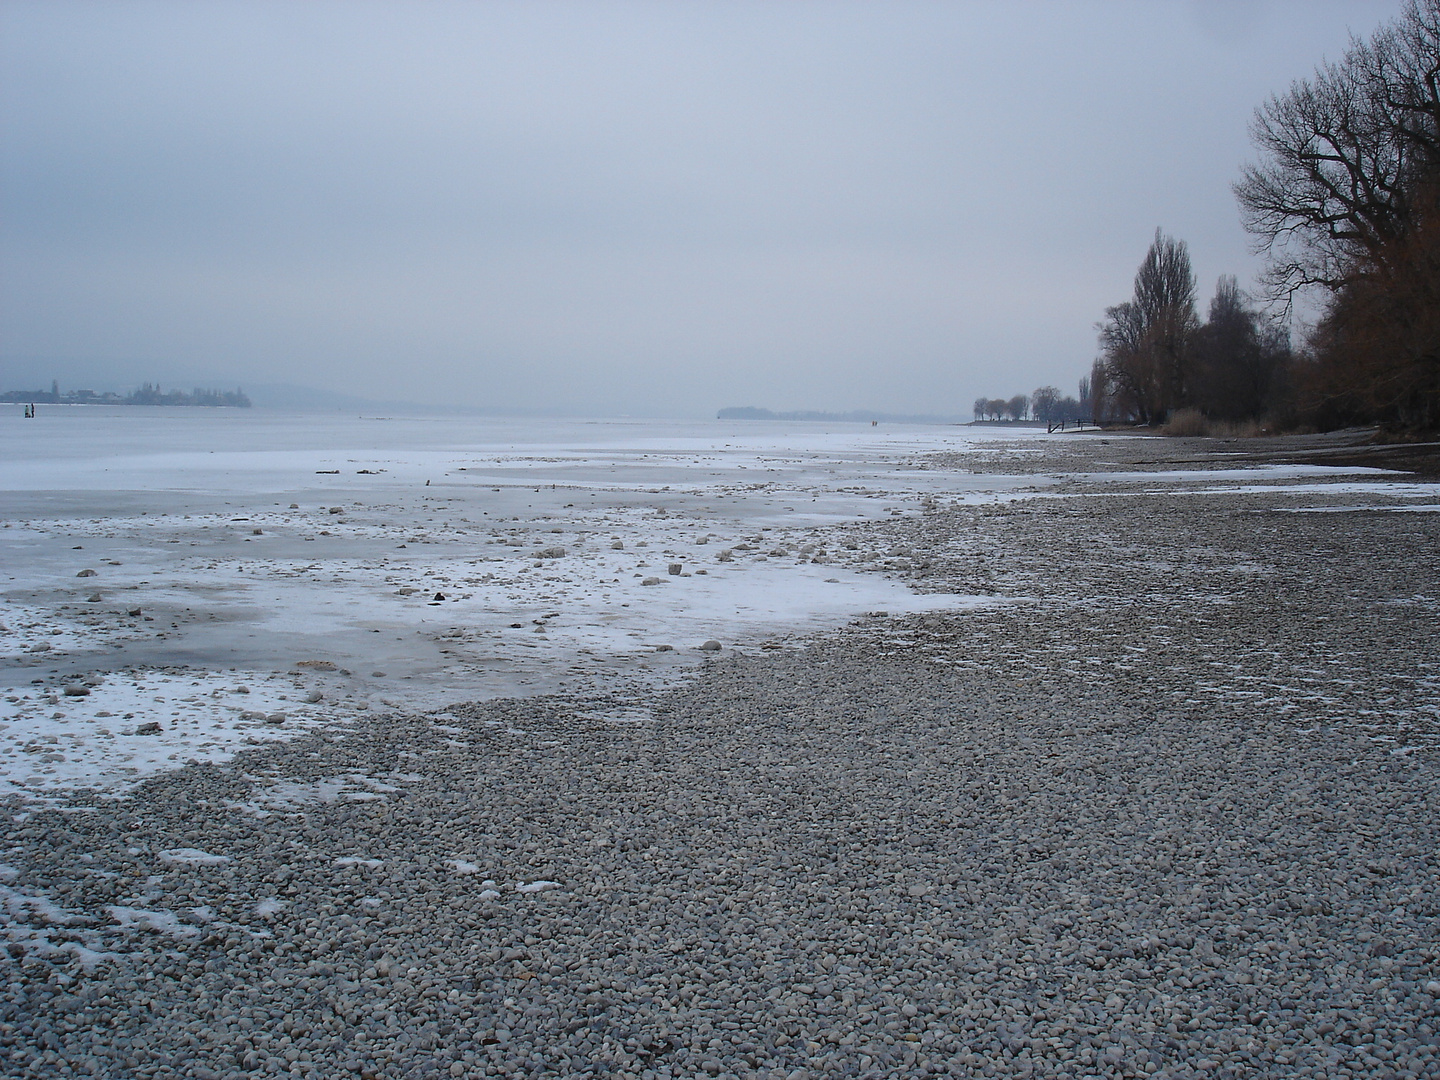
{"x":112,"y":404}
{"x":145,"y":395}
{"x":856,"y":416}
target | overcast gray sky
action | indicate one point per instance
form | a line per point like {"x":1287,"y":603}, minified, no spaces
{"x":618,"y":208}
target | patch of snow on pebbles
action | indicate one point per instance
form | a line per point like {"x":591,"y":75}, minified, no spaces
{"x":161,"y":922}
{"x":32,"y":922}
{"x":192,"y":857}
{"x":1422,"y":508}
{"x":20,"y":903}
{"x":537,"y":886}
{"x":129,"y":725}
{"x":619,"y":715}
{"x":1384,"y":489}
{"x":295,"y":795}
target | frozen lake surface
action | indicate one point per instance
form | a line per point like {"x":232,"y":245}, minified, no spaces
{"x":197,"y":578}
{"x":332,"y":564}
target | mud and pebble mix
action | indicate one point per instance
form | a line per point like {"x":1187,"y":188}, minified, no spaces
{"x":1173,"y":814}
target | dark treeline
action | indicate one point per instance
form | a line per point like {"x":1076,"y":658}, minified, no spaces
{"x":1046,"y":404}
{"x":1345,"y":203}
{"x":146,"y":395}
{"x":1158,"y":359}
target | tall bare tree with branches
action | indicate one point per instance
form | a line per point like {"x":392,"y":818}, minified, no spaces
{"x":1145,"y":342}
{"x":1346,"y":200}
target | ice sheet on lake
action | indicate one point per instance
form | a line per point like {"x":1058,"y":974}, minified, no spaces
{"x":250,"y":575}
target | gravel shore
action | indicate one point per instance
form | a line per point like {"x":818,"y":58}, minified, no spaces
{"x":1172,"y":812}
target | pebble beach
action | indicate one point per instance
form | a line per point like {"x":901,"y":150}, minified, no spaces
{"x":1163,"y":804}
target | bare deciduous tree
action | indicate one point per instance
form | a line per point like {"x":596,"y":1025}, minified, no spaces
{"x":1165,"y":296}
{"x":1127,"y":363}
{"x":1145,"y":342}
{"x":1346,"y":199}
{"x":1341,"y":155}
{"x":1043,"y":401}
{"x":1100,"y":408}
{"x":1236,"y":357}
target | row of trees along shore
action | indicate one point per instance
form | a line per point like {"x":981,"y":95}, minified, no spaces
{"x":1045,"y":404}
{"x":146,"y":395}
{"x":1344,"y":202}
{"x":1158,"y":359}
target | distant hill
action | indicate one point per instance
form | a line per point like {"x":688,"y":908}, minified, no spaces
{"x":291,"y":396}
{"x":858,"y":416}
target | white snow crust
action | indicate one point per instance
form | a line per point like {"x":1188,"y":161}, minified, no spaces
{"x":249,"y":575}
